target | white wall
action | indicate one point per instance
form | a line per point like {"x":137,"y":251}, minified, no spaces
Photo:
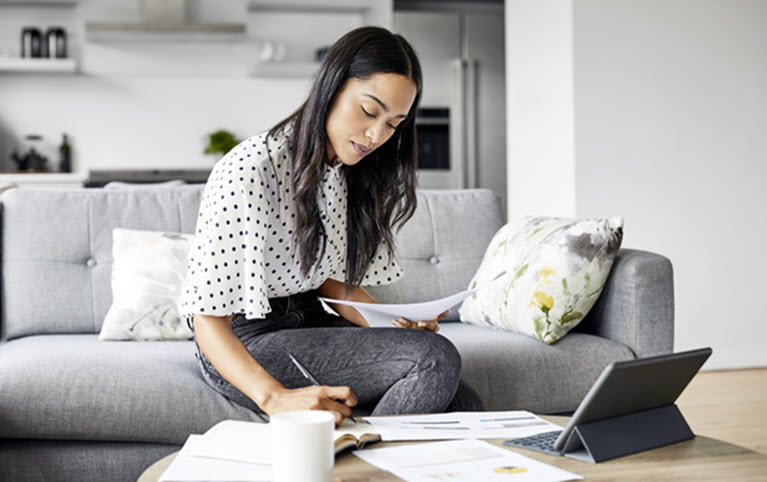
{"x":152,"y":104}
{"x":143,"y":122}
{"x":671,"y":133}
{"x":670,"y":122}
{"x":540,"y":169}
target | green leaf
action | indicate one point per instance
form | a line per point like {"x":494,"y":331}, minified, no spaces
{"x":220,"y":142}
{"x":539,"y":327}
{"x":521,"y":271}
{"x":570,"y":317}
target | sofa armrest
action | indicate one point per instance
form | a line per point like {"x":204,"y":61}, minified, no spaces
{"x":636,"y":307}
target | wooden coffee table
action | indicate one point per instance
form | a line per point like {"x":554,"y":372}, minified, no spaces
{"x":696,"y":459}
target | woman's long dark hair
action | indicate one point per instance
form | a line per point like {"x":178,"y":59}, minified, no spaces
{"x":381,"y":187}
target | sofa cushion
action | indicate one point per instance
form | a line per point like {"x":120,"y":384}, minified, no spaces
{"x":511,"y":371}
{"x":148,"y":272}
{"x":556,"y":269}
{"x":75,"y":387}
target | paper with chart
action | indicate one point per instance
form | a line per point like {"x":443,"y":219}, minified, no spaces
{"x":453,"y":425}
{"x":380,"y":313}
{"x":461,"y":460}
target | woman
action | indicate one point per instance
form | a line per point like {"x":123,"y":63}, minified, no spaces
{"x":306,"y":210}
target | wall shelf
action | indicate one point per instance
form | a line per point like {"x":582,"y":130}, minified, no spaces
{"x":41,"y":65}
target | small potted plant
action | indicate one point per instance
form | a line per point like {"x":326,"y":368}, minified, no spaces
{"x":220,"y":142}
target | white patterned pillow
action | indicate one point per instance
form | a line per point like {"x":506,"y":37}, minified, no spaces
{"x":147,"y":276}
{"x":556,"y":270}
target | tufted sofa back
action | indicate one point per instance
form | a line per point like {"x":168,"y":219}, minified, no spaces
{"x":57,"y":249}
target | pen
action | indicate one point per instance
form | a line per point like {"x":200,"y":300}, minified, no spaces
{"x":309,"y":376}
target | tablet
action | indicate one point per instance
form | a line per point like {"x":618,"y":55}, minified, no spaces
{"x":636,"y":385}
{"x":623,"y":388}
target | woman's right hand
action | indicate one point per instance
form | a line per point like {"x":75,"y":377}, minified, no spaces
{"x":336,"y":400}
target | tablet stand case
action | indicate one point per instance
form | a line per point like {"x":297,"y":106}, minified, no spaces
{"x":627,"y":434}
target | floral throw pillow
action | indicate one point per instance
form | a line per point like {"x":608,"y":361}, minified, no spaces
{"x":556,"y":269}
{"x":147,"y":276}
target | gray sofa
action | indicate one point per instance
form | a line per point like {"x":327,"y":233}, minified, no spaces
{"x":76,"y":408}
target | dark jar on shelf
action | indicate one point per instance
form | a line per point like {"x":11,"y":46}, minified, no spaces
{"x":65,"y":156}
{"x":56,"y":43}
{"x":31,"y":42}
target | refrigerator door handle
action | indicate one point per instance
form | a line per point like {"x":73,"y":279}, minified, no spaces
{"x":458,"y":126}
{"x":472,"y":104}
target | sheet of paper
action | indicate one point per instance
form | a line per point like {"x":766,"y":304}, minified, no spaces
{"x":461,"y":460}
{"x":188,"y":468}
{"x":380,"y":313}
{"x":441,"y":426}
{"x":236,"y":440}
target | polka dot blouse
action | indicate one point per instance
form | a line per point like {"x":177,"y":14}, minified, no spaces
{"x":244,"y":251}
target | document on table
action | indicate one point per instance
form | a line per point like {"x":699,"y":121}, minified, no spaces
{"x":189,"y":468}
{"x":236,"y":440}
{"x":461,"y":460}
{"x":384,"y":313}
{"x":508,"y":424}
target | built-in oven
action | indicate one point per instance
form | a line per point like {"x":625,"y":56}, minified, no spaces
{"x":440,"y":148}
{"x":433,"y":128}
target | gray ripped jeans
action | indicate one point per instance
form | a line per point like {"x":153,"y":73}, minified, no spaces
{"x":391,"y":370}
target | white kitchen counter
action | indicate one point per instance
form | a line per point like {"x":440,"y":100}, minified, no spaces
{"x":46,"y":180}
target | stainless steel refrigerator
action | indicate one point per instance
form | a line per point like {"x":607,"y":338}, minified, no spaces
{"x":462,"y":55}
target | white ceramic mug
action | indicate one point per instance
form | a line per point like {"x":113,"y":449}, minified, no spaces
{"x":302,"y":446}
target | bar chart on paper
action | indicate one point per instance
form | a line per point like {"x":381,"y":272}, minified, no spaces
{"x":511,"y":424}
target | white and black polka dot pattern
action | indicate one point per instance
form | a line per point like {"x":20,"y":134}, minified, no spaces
{"x":244,"y":251}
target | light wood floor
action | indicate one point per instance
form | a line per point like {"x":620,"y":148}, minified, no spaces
{"x":729,"y":405}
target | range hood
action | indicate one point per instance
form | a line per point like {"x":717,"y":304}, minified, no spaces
{"x":164,"y":20}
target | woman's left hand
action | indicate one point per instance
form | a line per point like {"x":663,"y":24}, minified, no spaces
{"x":428,"y":325}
